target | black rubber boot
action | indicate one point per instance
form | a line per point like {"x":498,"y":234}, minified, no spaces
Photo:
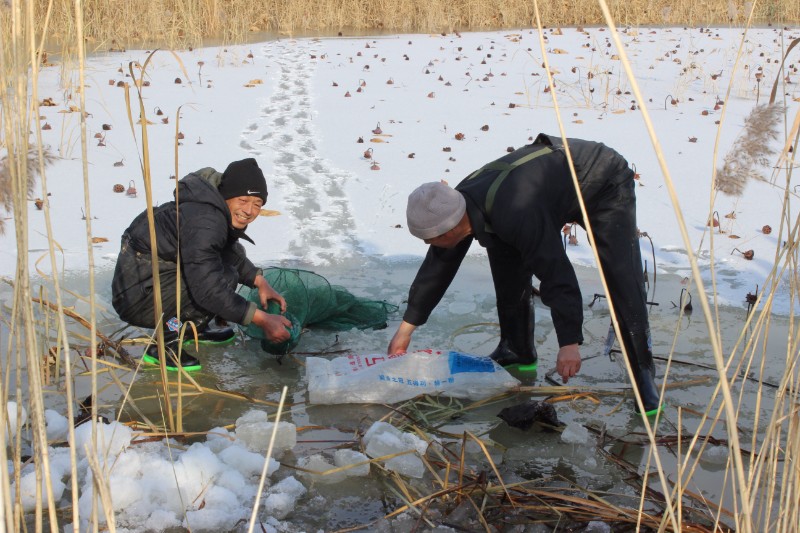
{"x":211,"y":335}
{"x":188,"y":362}
{"x":641,"y":358}
{"x":516,"y":348}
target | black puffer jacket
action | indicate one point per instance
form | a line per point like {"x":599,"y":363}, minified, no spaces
{"x":207,"y":243}
{"x":529,"y":210}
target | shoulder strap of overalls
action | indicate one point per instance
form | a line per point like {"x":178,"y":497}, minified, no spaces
{"x":505,"y":169}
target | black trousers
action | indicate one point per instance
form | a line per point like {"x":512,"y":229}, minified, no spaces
{"x":514,"y":291}
{"x":617,"y":239}
{"x":132,"y":290}
{"x":613,"y":220}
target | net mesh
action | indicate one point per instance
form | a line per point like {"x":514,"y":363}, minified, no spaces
{"x":312,"y":301}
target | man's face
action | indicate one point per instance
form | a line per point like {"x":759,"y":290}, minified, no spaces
{"x":244,"y":210}
{"x":446,"y":240}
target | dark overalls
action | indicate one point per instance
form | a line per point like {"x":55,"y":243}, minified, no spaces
{"x":519,"y":221}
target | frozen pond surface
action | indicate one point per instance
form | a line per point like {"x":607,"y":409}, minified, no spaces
{"x":288,"y":108}
{"x":465,"y":321}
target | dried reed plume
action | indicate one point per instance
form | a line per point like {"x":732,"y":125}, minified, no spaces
{"x":751,"y":151}
{"x":32,"y":172}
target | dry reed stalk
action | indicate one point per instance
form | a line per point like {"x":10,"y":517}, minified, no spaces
{"x":670,"y":515}
{"x":100,"y":479}
{"x":18,"y":52}
{"x":266,"y":461}
{"x":785,"y":262}
{"x":81,"y":53}
{"x":775,"y":441}
{"x":183,"y":23}
{"x":107,"y":341}
{"x":233,"y":395}
{"x":175,"y":421}
{"x":742,"y":489}
{"x":127,"y":400}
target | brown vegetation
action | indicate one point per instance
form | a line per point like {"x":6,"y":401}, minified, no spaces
{"x":763,"y":480}
{"x":189,"y":22}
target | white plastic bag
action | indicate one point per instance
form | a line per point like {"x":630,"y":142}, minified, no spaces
{"x":395,"y":378}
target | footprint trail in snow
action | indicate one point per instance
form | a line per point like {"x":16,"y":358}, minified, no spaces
{"x":309,"y":191}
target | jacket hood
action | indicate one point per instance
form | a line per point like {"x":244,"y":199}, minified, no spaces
{"x":200,"y":186}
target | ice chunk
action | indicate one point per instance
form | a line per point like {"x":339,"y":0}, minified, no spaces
{"x":279,"y":505}
{"x":161,"y":520}
{"x":475,"y":452}
{"x":384,"y":439}
{"x":407,"y":465}
{"x":218,"y":439}
{"x":27,"y":489}
{"x":252,"y":416}
{"x":351,"y":457}
{"x":196,"y":466}
{"x":575,"y":433}
{"x":234,"y":481}
{"x":716,"y":455}
{"x":124,"y":489}
{"x":282,"y":497}
{"x":208,"y":519}
{"x":318,"y":463}
{"x":255,"y":431}
{"x":389,"y":433}
{"x":249,"y":464}
{"x":111,"y":439}
{"x":12,"y":410}
{"x":130,"y":465}
{"x":57,"y":426}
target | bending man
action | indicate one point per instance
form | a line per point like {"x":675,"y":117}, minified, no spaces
{"x":515,"y":207}
{"x":200,"y":230}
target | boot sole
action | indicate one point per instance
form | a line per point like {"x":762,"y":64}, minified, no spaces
{"x":154,"y":361}
{"x":652,"y":412}
{"x":190,"y":340}
{"x":532,"y":367}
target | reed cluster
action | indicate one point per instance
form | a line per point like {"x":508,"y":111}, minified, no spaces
{"x":189,"y":22}
{"x":38,"y":359}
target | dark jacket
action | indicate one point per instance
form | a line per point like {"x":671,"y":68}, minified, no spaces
{"x":208,"y":246}
{"x":530,"y":208}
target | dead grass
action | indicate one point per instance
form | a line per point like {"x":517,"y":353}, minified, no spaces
{"x":189,"y":22}
{"x":764,"y":479}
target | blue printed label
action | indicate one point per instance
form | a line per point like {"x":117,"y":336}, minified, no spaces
{"x":460,"y":362}
{"x":174,"y":324}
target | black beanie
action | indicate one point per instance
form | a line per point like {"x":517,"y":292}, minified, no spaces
{"x":243,"y":178}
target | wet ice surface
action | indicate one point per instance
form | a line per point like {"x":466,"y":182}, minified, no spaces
{"x":324,"y":431}
{"x":338,"y":215}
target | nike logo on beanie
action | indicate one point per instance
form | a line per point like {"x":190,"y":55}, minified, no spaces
{"x":243,"y":178}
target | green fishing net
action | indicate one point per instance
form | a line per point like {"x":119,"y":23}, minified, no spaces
{"x":312,"y":301}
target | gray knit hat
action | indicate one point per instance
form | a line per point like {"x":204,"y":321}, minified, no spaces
{"x":434,"y":209}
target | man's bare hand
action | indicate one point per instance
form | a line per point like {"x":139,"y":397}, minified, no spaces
{"x":275,"y":327}
{"x":401,"y":339}
{"x":568,"y":361}
{"x":267,"y":293}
